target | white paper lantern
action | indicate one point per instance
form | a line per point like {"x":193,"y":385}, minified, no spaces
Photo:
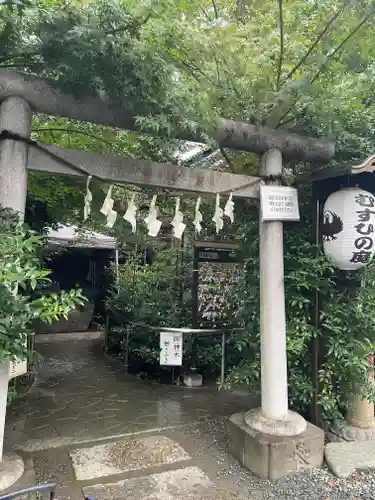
{"x":348,"y":228}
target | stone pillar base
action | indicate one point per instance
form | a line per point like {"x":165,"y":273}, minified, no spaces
{"x":361,"y":414}
{"x":272,"y":457}
{"x":193,"y":380}
{"x":293,"y":425}
{"x":352,"y":433}
{"x":11,"y":470}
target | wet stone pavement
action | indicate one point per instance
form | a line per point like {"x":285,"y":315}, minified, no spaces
{"x":80,"y":395}
{"x":82,"y":402}
{"x":93,"y":430}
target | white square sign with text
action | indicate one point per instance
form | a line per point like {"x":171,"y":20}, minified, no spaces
{"x":171,"y":346}
{"x":279,"y":203}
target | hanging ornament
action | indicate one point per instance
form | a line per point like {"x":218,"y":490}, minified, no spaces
{"x":177,"y":222}
{"x":229,"y":208}
{"x":107,"y":208}
{"x":197,"y":222}
{"x":108,"y":202}
{"x":111,"y":218}
{"x":152,"y":222}
{"x":131,"y":214}
{"x":87,"y":200}
{"x":218,"y":215}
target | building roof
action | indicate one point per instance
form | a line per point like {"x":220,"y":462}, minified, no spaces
{"x":73,"y":236}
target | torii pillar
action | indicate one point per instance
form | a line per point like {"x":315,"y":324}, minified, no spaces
{"x":15,"y":116}
{"x":273,"y":441}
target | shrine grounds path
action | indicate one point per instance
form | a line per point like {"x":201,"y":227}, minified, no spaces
{"x":89,"y":427}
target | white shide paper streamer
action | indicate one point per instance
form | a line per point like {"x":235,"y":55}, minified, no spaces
{"x":131,"y":214}
{"x":229,"y":208}
{"x":177,"y":222}
{"x":152,"y":222}
{"x":218,"y":215}
{"x":107,"y":208}
{"x":87,"y":200}
{"x":197,"y":222}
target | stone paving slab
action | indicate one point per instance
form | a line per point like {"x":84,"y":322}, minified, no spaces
{"x":189,"y":483}
{"x":124,"y":456}
{"x":343,"y":458}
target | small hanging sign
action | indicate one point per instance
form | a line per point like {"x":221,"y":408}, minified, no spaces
{"x":17,"y":368}
{"x":279,"y":203}
{"x":171,"y":347}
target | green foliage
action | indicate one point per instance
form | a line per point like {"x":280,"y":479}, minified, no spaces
{"x":149,"y":294}
{"x":20,"y":275}
{"x":346,"y":332}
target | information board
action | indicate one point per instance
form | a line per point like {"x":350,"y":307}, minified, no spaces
{"x":279,"y":203}
{"x":171,"y":348}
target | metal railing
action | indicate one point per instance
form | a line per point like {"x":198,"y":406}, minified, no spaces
{"x":128,"y":330}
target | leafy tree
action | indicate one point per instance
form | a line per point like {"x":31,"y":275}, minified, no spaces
{"x":303,"y":66}
{"x":21,"y":274}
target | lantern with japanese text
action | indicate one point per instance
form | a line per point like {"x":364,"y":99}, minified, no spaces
{"x":348,"y":228}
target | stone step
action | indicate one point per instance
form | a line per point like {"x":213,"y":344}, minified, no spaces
{"x":152,"y":467}
{"x":124,"y":456}
{"x":345,"y":457}
{"x":188,"y":483}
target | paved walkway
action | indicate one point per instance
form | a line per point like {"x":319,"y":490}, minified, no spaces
{"x":85,"y":423}
{"x":80,"y":395}
{"x":89,"y":428}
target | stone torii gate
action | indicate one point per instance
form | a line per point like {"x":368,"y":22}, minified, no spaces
{"x":266,"y":440}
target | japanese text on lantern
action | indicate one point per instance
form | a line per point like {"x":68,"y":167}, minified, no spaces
{"x":364,"y":241}
{"x":171,"y":347}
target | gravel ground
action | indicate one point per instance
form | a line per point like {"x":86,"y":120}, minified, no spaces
{"x":314,"y":484}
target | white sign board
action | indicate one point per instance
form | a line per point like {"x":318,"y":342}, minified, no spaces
{"x":279,"y":203}
{"x":17,"y":369}
{"x":171,"y":346}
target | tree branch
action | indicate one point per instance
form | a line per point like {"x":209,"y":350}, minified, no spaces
{"x":215,"y":9}
{"x":340,"y":46}
{"x":319,"y":37}
{"x":281,"y":57}
{"x":72,"y":131}
{"x":328,"y":57}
